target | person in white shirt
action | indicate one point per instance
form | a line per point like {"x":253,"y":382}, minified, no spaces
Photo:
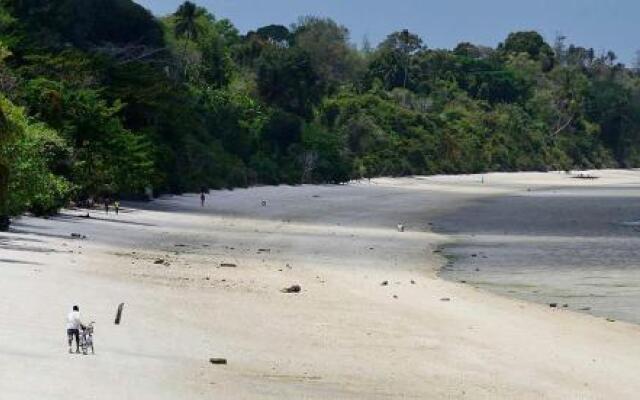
{"x":74,"y":323}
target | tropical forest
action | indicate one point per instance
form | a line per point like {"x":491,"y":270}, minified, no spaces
{"x":101,"y":98}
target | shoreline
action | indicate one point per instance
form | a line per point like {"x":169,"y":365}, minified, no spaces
{"x":521,"y":257}
{"x":346,"y":335}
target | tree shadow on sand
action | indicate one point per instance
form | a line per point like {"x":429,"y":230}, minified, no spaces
{"x":79,"y":218}
{"x":20,"y":262}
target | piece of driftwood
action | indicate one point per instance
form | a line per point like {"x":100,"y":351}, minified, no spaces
{"x":119,"y":313}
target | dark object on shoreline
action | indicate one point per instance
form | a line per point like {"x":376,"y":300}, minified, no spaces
{"x":78,"y":236}
{"x":611,"y":320}
{"x":445,"y":299}
{"x":159,"y":261}
{"x":565,"y":306}
{"x":5,"y":221}
{"x":585,"y":176}
{"x":384,"y":283}
{"x":264,"y":203}
{"x":585,"y":309}
{"x":553,"y":305}
{"x":413,"y":282}
{"x":292,"y":289}
{"x":119,"y":314}
{"x":395,"y":296}
{"x":228,"y":265}
{"x":218,"y":361}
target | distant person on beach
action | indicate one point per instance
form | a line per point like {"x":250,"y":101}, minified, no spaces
{"x":106,"y":206}
{"x":116,"y":206}
{"x":202,"y":199}
{"x":74,"y":323}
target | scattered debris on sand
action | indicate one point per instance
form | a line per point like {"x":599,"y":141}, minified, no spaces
{"x":228,"y":265}
{"x":218,"y":361}
{"x":445,"y":299}
{"x":159,"y":261}
{"x":384,"y":283}
{"x":78,"y":236}
{"x":585,"y":176}
{"x":553,"y":305}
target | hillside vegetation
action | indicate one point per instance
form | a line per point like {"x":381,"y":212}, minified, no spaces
{"x":100,"y":98}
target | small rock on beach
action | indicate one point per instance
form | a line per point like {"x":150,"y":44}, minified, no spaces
{"x":292,"y":289}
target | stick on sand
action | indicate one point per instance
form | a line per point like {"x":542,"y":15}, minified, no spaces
{"x":119,"y":313}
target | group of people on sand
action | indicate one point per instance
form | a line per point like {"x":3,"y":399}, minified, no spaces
{"x":116,"y":206}
{"x":107,"y":203}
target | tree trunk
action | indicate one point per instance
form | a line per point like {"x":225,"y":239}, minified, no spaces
{"x":4,"y":197}
{"x":184,"y":55}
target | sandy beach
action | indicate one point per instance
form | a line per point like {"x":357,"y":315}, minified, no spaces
{"x":202,"y":282}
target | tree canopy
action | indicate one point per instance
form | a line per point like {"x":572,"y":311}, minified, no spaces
{"x":100,"y":98}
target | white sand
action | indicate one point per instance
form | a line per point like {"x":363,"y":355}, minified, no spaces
{"x":344,"y":337}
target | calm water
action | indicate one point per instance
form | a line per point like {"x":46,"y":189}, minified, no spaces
{"x":575,"y":247}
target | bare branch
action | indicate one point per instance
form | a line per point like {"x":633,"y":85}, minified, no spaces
{"x":131,"y":52}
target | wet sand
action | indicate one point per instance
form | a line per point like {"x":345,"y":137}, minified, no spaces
{"x":577,"y":247}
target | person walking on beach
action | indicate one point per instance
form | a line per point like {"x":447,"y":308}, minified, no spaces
{"x":116,"y":206}
{"x":106,"y":206}
{"x":202,"y":199}
{"x":74,"y":323}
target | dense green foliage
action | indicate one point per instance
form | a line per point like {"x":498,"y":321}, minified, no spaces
{"x":100,"y":98}
{"x":31,"y":154}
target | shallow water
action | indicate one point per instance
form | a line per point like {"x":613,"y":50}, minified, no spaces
{"x":579,"y":248}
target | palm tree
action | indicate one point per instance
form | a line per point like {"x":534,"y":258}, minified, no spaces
{"x":187,"y":27}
